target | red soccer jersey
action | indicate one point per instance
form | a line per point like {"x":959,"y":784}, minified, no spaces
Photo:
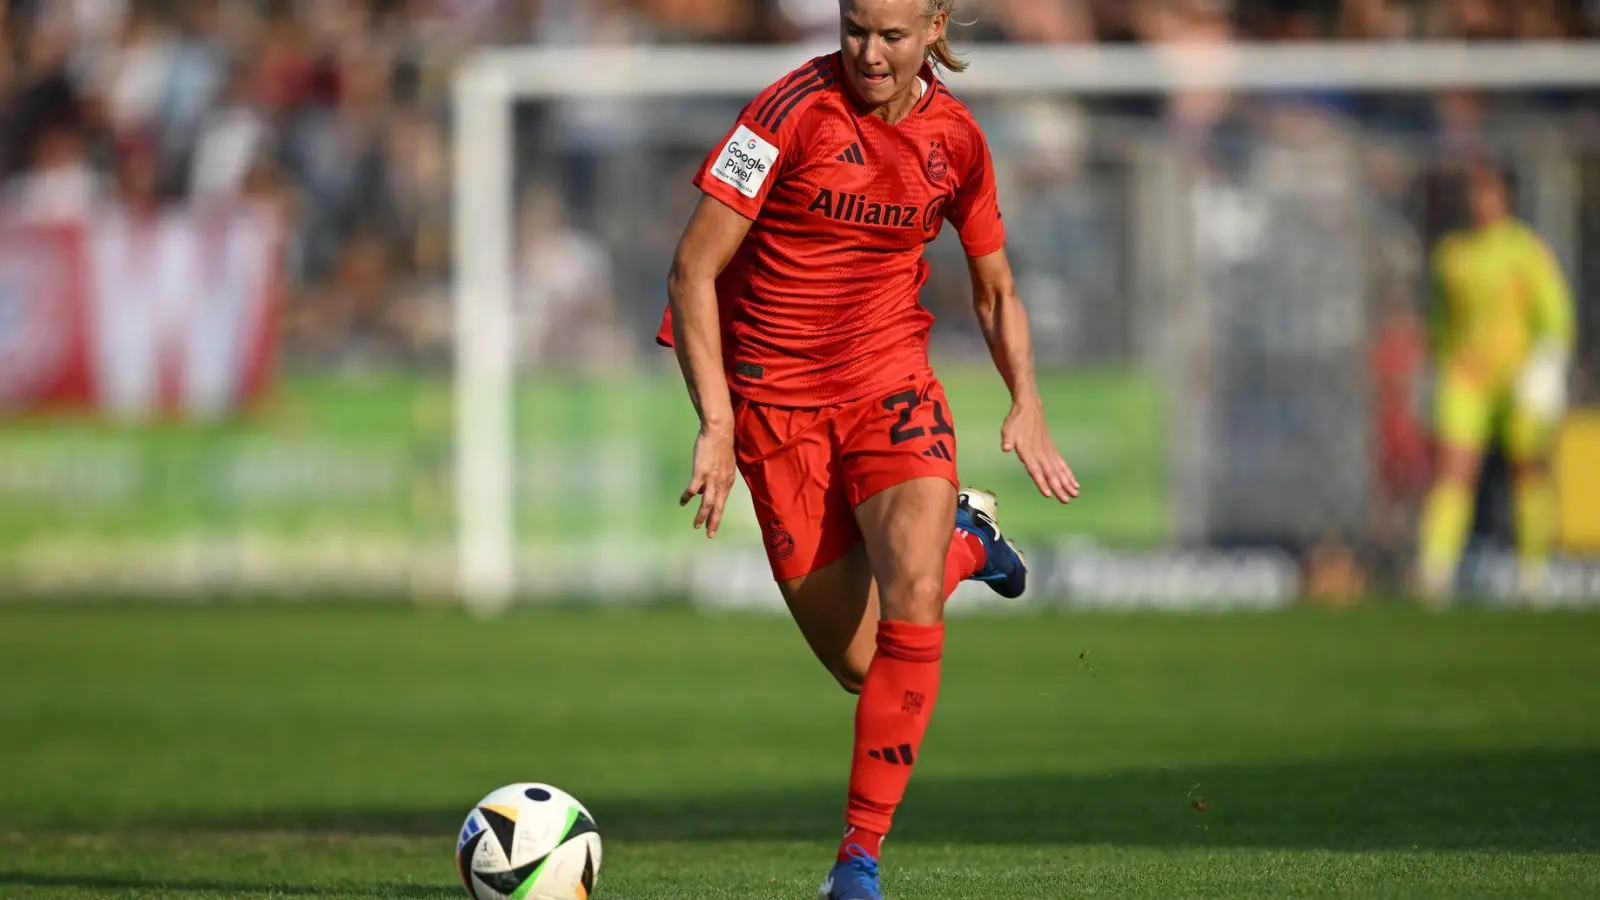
{"x":820,"y":303}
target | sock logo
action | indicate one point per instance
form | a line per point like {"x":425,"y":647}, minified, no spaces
{"x":901,"y":757}
{"x":911,"y":703}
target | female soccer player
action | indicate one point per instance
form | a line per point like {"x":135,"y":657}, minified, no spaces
{"x":794,"y":314}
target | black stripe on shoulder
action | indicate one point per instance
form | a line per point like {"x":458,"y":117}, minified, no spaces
{"x":788,"y":81}
{"x":765,"y":119}
{"x":927,"y":101}
{"x":817,"y":74}
{"x":827,"y":82}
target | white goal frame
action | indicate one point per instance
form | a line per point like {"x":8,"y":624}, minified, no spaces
{"x":491,"y":81}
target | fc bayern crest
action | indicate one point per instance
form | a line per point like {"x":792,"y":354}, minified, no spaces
{"x":779,"y":540}
{"x":937,"y":167}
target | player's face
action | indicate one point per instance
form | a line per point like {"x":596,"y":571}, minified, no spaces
{"x":884,"y":44}
{"x":1488,"y":196}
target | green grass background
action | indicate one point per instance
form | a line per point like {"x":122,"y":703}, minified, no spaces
{"x":372,"y":455}
{"x":253,"y":751}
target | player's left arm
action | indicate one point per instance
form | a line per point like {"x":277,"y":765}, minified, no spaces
{"x":1553,"y":315}
{"x":1005,"y":328}
{"x":975,"y":212}
{"x":1542,"y":385}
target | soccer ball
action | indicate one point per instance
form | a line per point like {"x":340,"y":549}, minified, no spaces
{"x":528,"y":842}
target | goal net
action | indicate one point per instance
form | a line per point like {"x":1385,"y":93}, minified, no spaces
{"x":1223,"y":253}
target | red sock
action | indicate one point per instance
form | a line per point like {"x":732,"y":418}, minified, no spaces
{"x":965,"y":559}
{"x":870,"y":843}
{"x":891,"y":717}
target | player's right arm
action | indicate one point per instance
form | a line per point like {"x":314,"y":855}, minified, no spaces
{"x":742,"y":168}
{"x":712,"y":237}
{"x":735,"y":180}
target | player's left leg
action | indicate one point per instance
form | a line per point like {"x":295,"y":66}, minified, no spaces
{"x":898,"y":456}
{"x":907,"y":533}
{"x":1527,"y":441}
{"x":789,"y":460}
{"x":837,"y":609}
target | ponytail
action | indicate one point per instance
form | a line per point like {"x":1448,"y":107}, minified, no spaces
{"x":939,"y":52}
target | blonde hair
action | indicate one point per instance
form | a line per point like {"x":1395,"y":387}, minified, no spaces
{"x":939,"y":52}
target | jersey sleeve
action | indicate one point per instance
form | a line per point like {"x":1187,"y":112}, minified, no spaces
{"x":740,"y":172}
{"x":975,"y":211}
{"x":741,"y":169}
{"x":1552,"y":310}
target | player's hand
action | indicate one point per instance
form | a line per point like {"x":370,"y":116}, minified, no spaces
{"x":711,"y":479}
{"x":1026,"y":434}
{"x":1542,"y":385}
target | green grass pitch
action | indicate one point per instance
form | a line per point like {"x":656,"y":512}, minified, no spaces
{"x":250,"y":751}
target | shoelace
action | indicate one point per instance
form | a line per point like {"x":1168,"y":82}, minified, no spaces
{"x":861,"y":856}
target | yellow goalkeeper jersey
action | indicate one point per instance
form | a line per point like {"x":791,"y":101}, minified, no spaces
{"x":1498,"y":291}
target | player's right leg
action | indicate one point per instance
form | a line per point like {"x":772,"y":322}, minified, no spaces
{"x":836,"y":609}
{"x":813,"y":542}
{"x":1465,"y":408}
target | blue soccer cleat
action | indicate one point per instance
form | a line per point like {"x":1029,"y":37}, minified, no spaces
{"x":854,"y":879}
{"x":1004,"y":569}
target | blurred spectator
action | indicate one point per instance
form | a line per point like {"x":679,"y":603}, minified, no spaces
{"x":566,"y":312}
{"x":341,"y":105}
{"x":1049,"y":22}
{"x":59,"y":183}
{"x":1375,"y":20}
{"x":701,"y":20}
{"x":229,"y":139}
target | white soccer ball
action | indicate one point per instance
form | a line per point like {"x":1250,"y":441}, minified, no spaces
{"x":529,"y":842}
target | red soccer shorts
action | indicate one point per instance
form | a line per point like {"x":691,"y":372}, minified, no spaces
{"x":807,"y":469}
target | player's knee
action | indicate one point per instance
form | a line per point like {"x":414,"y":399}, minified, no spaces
{"x":918,"y":598}
{"x":850,"y":667}
{"x":1459,"y":465}
{"x":850,"y":677}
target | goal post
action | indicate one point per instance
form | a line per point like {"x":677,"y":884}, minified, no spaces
{"x":483,"y":346}
{"x":491,"y":81}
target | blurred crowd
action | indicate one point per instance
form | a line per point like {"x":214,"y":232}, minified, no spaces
{"x":336,"y":112}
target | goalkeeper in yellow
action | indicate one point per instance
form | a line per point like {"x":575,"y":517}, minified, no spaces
{"x":1502,"y":333}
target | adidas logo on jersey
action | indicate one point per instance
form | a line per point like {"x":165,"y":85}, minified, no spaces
{"x":852,"y":154}
{"x":938,"y":451}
